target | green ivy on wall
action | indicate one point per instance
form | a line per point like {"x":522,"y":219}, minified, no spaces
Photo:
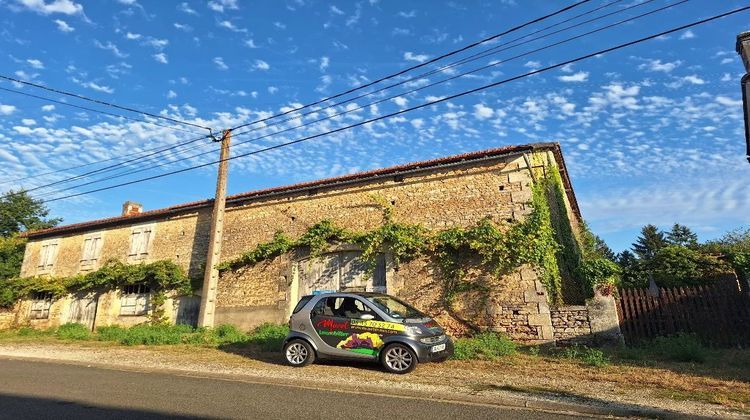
{"x":544,"y":240}
{"x":160,"y":276}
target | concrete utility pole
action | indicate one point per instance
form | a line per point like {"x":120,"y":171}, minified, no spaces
{"x":211,"y":276}
{"x":743,"y":49}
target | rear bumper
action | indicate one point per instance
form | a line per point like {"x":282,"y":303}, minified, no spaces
{"x":425,"y":353}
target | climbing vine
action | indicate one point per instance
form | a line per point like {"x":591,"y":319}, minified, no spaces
{"x":543,"y":239}
{"x":160,"y":276}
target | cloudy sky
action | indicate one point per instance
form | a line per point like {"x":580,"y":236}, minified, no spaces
{"x":652,"y":133}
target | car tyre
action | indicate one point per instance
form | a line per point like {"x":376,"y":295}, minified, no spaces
{"x":298,"y":353}
{"x":398,"y":358}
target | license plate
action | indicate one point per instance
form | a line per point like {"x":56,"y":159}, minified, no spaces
{"x":439,"y":347}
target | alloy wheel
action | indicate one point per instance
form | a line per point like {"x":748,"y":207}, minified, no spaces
{"x":398,"y":358}
{"x":296,"y":354}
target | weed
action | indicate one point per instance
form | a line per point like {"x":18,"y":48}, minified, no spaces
{"x":590,"y":356}
{"x":679,"y":348}
{"x":72,"y":331}
{"x":485,"y":345}
{"x":111,"y":333}
{"x":268,"y":336}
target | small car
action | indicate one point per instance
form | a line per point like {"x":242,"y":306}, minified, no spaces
{"x":363,"y":326}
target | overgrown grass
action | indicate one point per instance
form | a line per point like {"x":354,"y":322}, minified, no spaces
{"x":590,"y":356}
{"x":684,"y":348}
{"x":73,"y":331}
{"x":266,"y":337}
{"x":487,"y":345}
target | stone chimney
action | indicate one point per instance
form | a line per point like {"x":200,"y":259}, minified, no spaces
{"x":131,"y":208}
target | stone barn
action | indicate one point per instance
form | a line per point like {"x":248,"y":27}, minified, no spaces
{"x":274,"y":251}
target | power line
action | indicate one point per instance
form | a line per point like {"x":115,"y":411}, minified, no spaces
{"x":426,"y":104}
{"x":100,"y":102}
{"x":93,"y":110}
{"x":108,"y":169}
{"x":426,"y":63}
{"x":125,"y":173}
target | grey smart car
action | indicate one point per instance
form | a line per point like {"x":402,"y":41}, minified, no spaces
{"x":364,"y":326}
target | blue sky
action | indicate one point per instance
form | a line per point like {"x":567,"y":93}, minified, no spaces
{"x":651,"y":134}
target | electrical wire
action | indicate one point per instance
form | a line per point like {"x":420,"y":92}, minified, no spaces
{"x":100,"y":102}
{"x":423,"y":105}
{"x":161,"y":164}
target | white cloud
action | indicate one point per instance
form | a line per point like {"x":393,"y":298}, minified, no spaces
{"x":131,"y":35}
{"x":616,"y":96}
{"x":28,"y":121}
{"x":161,"y":58}
{"x":37,"y":64}
{"x":185,"y":8}
{"x":483,"y":112}
{"x":183,"y":27}
{"x":580,"y":76}
{"x":687,"y":35}
{"x":400,"y":101}
{"x":156,"y":43}
{"x":533,"y":64}
{"x":657,"y":65}
{"x":324,"y":63}
{"x":222,"y":5}
{"x":407,"y":15}
{"x":726,"y":101}
{"x":48,"y":108}
{"x":110,"y":47}
{"x":231,"y":26}
{"x":250,"y":43}
{"x":7,"y":109}
{"x":66,"y":7}
{"x":693,"y":79}
{"x":272,"y":89}
{"x":171,"y":94}
{"x":335,"y":10}
{"x":417,"y":123}
{"x":97,"y":87}
{"x":261,"y":65}
{"x":63,"y":26}
{"x":220,"y":63}
{"x":420,"y":58}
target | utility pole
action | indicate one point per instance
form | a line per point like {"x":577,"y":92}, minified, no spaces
{"x":743,"y":49}
{"x":211,"y":276}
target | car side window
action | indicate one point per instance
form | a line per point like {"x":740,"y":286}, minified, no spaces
{"x":342,"y":307}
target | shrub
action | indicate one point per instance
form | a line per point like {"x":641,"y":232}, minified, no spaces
{"x":225,"y":334}
{"x":72,"y":331}
{"x":679,"y":348}
{"x":34,"y":332}
{"x":590,"y":356}
{"x":111,"y":333}
{"x":268,"y":336}
{"x":485,"y":345}
{"x":155,"y":334}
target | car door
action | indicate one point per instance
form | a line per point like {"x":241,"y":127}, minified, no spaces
{"x":341,"y":324}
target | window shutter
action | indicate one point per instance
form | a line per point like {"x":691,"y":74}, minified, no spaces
{"x":97,"y":247}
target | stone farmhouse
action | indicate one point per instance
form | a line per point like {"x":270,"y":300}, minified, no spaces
{"x":455,"y":191}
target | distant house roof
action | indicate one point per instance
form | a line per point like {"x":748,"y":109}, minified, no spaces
{"x":409,"y":168}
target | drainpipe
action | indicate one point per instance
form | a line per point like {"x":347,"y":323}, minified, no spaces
{"x":743,"y":49}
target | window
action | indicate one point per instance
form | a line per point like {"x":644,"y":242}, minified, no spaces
{"x":135,"y":299}
{"x":342,"y":308}
{"x":40,"y":304}
{"x":92,"y":248}
{"x":140,"y":241}
{"x":47,"y":255}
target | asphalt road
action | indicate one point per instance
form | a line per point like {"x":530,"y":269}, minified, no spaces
{"x":47,"y":390}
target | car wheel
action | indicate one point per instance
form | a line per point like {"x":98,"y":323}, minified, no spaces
{"x":299,"y":353}
{"x":398,"y":358}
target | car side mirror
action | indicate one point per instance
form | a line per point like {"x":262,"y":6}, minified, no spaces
{"x":367,"y":317}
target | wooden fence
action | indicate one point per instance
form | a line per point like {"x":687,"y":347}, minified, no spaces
{"x":719,"y":314}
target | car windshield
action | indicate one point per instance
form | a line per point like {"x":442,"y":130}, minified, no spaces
{"x":395,"y":307}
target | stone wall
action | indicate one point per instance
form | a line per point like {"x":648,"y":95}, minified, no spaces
{"x":571,"y":324}
{"x":439,"y":198}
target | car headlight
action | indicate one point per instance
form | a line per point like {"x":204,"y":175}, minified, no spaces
{"x":411,"y":330}
{"x":433,"y":340}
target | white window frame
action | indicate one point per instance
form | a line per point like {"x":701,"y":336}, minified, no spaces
{"x":48,"y":255}
{"x":141,"y":241}
{"x":135,"y":300}
{"x":40,"y":305}
{"x":91,"y":250}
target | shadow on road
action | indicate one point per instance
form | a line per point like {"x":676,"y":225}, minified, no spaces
{"x":17,"y":407}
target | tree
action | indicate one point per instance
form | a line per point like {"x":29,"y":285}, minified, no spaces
{"x":632,"y":270}
{"x":20,"y":212}
{"x":650,"y":241}
{"x":682,"y":235}
{"x":603,"y":249}
{"x":676,"y":265}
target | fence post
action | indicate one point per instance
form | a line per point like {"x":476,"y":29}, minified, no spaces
{"x":605,"y":324}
